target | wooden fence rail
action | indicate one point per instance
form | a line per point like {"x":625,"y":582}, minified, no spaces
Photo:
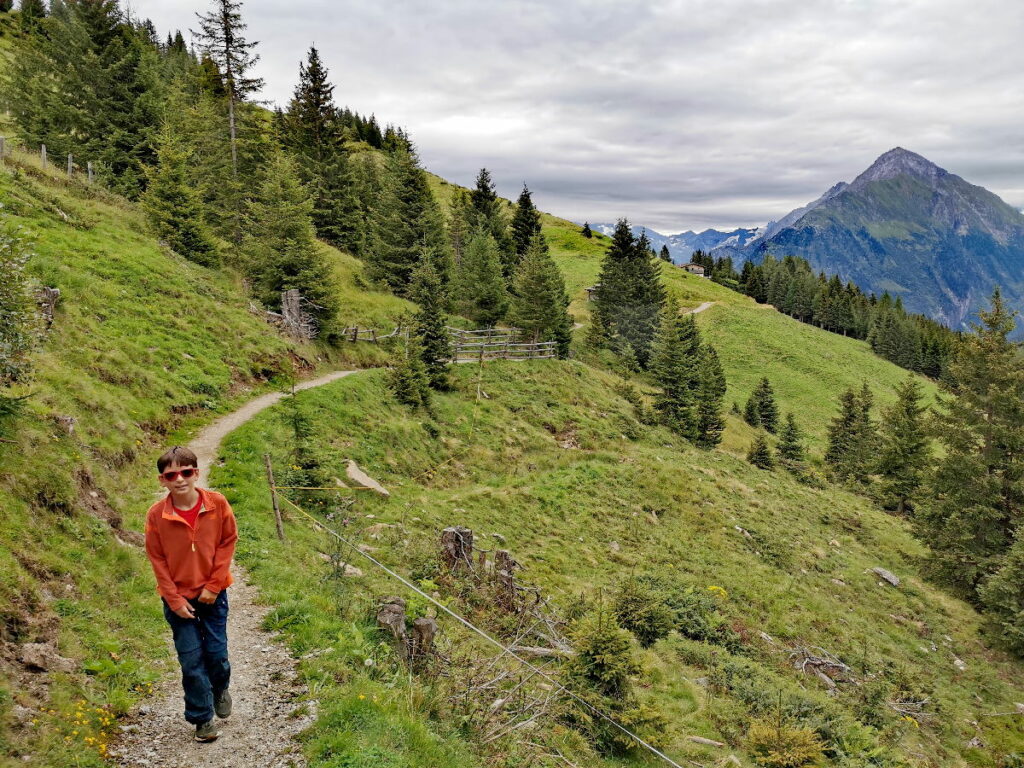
{"x":483,"y":351}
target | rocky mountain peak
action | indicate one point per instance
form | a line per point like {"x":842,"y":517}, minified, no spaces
{"x":900,"y":162}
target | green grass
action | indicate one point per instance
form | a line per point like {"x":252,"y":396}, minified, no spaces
{"x":628,"y":499}
{"x":144,"y":349}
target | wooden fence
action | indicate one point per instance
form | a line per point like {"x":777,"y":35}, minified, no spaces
{"x":23,"y":154}
{"x":483,"y":351}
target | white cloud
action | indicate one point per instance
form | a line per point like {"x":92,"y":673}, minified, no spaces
{"x":681,"y":113}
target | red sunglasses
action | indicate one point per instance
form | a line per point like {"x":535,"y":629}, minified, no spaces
{"x":171,"y":476}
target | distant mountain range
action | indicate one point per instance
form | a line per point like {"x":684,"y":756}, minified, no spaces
{"x":682,"y":245}
{"x":905,"y":226}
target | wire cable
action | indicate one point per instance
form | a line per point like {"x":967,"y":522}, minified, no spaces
{"x":505,"y":649}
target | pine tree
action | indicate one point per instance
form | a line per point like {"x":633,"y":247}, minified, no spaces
{"x":539,"y":303}
{"x":31,"y":13}
{"x":751,"y":415}
{"x":629,"y":296}
{"x":664,"y":254}
{"x":904,"y":454}
{"x":525,"y":224}
{"x":761,"y":409}
{"x":1002,"y":594}
{"x":979,"y":479}
{"x":281,"y":245}
{"x":791,"y":448}
{"x":674,"y":365}
{"x":586,"y":230}
{"x":18,"y":319}
{"x":711,"y":388}
{"x":852,"y":437}
{"x":408,"y":378}
{"x":760,"y":453}
{"x":480,"y":290}
{"x":459,"y":216}
{"x":429,"y":324}
{"x":406,"y":224}
{"x":89,"y":84}
{"x":487,"y":215}
{"x":221,"y":37}
{"x":174,"y":206}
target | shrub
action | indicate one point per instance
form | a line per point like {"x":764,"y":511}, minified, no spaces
{"x":777,"y":745}
{"x":642,"y":609}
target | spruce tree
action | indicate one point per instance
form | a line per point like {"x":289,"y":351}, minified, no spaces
{"x":221,"y":37}
{"x":406,"y":223}
{"x":904,"y":454}
{"x":525,"y":224}
{"x":281,"y":245}
{"x":674,"y":364}
{"x":791,"y":447}
{"x":751,"y":415}
{"x":711,"y":388}
{"x":852,"y":437}
{"x":459,"y":217}
{"x":629,"y":296}
{"x":1002,"y":594}
{"x":586,"y":230}
{"x":408,"y":378}
{"x":539,"y":303}
{"x":480,"y":291}
{"x":31,"y":13}
{"x":760,"y":453}
{"x":429,"y":323}
{"x":767,"y":409}
{"x":979,"y":478}
{"x":664,"y":254}
{"x":311,"y":133}
{"x":487,"y":215}
{"x":174,"y":206}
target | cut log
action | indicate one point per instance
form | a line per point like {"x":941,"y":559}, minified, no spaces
{"x":705,"y":742}
{"x":457,"y":548}
{"x":391,"y":617}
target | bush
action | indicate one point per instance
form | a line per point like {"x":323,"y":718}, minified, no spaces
{"x":642,"y":609}
{"x":777,"y":745}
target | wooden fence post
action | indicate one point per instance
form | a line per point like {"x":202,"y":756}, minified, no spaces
{"x":273,"y":496}
{"x":88,"y":166}
{"x":42,"y":154}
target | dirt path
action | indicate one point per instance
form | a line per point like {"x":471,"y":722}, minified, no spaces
{"x":266,"y":717}
{"x":701,"y":308}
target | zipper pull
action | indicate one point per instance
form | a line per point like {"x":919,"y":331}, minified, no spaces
{"x":193,"y":546}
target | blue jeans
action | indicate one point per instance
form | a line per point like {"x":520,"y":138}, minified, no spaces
{"x":202,"y":646}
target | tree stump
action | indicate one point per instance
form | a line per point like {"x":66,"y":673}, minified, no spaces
{"x":391,"y":617}
{"x":421,"y":641}
{"x":457,"y":548}
{"x":504,"y":568}
{"x":47,"y":299}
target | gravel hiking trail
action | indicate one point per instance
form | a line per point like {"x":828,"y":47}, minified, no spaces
{"x":267,"y":713}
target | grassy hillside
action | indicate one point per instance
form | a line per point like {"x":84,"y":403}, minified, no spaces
{"x":145,"y":347}
{"x":553,"y":460}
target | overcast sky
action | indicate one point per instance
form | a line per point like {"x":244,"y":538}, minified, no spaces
{"x":679,"y":115}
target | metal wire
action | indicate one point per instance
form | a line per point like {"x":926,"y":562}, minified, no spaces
{"x":505,"y":649}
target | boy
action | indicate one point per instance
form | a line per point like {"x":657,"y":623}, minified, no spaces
{"x":190,"y":540}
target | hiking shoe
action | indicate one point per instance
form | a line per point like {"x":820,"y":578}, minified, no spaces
{"x":222,"y":704}
{"x":207,"y":731}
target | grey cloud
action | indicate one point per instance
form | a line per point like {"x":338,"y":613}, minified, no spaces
{"x":678,"y":113}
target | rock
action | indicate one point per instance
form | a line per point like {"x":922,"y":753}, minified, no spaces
{"x":614,"y":546}
{"x":498,"y":537}
{"x":730,"y":760}
{"x":833,"y":543}
{"x":356,"y":475}
{"x":705,"y":742}
{"x":975,"y":743}
{"x":145,"y":709}
{"x":959,"y":664}
{"x":767,"y":638}
{"x":376,"y":530}
{"x":839,"y":582}
{"x":43,"y":657}
{"x":22,"y":714}
{"x":888,"y":576}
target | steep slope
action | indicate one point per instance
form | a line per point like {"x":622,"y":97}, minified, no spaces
{"x":553,"y":465}
{"x":144,"y":347}
{"x":911,"y":228}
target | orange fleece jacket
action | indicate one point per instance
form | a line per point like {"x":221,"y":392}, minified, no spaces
{"x":185,"y":559}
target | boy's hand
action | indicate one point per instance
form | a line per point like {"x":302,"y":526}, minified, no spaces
{"x":207,"y":597}
{"x":186,"y":611}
